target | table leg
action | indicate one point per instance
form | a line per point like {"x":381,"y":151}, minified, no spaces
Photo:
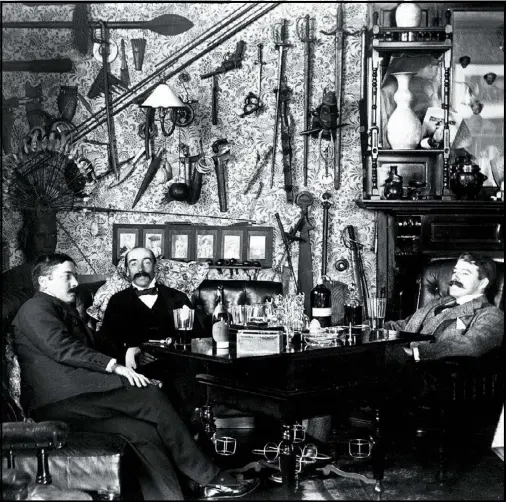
{"x":378,"y":453}
{"x":288,"y":461}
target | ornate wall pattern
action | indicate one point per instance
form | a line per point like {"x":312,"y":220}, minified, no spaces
{"x":249,"y":135}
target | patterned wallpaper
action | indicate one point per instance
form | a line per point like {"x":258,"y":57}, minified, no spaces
{"x":248,"y":135}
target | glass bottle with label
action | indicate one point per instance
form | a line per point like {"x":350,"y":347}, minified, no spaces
{"x":320,"y":301}
{"x":221,"y":320}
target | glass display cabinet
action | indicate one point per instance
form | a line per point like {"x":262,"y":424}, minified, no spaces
{"x":433,"y":137}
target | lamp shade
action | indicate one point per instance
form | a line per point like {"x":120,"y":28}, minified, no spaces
{"x":163,"y":97}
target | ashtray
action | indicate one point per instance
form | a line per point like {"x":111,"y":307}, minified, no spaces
{"x":321,"y":339}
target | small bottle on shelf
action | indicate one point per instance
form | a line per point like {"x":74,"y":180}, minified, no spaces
{"x":320,"y":301}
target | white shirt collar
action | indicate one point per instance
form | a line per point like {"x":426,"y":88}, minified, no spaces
{"x":151,"y":285}
{"x":467,"y":298}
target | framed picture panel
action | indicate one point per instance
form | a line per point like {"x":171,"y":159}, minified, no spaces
{"x":181,"y":243}
{"x":125,"y":237}
{"x":231,"y":245}
{"x":154,"y":238}
{"x":259,"y":245}
{"x":206,"y":243}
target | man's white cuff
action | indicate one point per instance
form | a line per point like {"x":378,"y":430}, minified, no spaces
{"x":415,"y":351}
{"x":110,"y":364}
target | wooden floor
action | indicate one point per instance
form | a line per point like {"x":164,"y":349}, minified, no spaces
{"x":475,"y":473}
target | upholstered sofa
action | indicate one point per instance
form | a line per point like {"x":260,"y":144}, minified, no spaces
{"x":90,"y":461}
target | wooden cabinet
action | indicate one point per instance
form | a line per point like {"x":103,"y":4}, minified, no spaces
{"x":417,"y":227}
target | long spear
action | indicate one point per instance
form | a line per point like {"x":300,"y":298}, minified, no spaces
{"x":166,"y":24}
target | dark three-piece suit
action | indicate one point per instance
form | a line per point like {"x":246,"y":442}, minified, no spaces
{"x":65,"y":378}
{"x":128,"y":322}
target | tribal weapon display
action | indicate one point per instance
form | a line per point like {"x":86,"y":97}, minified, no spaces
{"x":280,"y":35}
{"x":112,"y":148}
{"x":350,"y":241}
{"x":230,"y":62}
{"x":166,"y":24}
{"x":214,"y":101}
{"x":253,"y":103}
{"x":285,"y":95}
{"x":305,"y":29}
{"x":222,"y":155}
{"x":236,"y":22}
{"x":286,"y":245}
{"x":57,"y":65}
{"x":305,"y":273}
{"x":150,"y":174}
{"x":338,"y":289}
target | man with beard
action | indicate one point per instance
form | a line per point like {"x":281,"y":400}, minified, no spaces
{"x":463,"y":323}
{"x":140,"y":313}
{"x":63,"y":377}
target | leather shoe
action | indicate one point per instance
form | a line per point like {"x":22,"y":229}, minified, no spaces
{"x":243,"y":487}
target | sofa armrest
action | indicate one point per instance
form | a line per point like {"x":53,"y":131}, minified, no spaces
{"x":31,"y":435}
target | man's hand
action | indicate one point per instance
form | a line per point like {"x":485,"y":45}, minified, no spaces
{"x":133,"y":377}
{"x":146,"y":358}
{"x":130,"y":357}
{"x":409,"y":351}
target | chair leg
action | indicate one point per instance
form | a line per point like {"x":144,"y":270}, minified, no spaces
{"x":43,"y":477}
{"x":442,"y":450}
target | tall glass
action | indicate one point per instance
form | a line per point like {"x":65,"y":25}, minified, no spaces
{"x":184,"y":324}
{"x":376,"y":311}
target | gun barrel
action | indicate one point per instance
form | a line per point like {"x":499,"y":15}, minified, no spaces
{"x":211,"y":73}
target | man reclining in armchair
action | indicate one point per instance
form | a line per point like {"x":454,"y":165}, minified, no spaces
{"x":463,"y":323}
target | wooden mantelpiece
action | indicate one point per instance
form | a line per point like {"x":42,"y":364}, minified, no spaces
{"x":412,"y":233}
{"x":434,"y":206}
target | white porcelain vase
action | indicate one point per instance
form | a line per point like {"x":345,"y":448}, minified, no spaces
{"x":408,"y":15}
{"x":404,"y":129}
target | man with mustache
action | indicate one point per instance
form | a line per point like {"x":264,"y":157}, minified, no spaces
{"x":464,"y":323}
{"x":140,"y":313}
{"x":65,"y":378}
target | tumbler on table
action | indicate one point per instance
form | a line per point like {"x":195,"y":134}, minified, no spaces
{"x":184,"y":323}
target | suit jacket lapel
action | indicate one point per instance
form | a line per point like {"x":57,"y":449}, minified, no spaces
{"x":449,"y":316}
{"x":417,"y":320}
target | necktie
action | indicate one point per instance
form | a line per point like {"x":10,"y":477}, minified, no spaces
{"x":149,"y":291}
{"x":449,"y":305}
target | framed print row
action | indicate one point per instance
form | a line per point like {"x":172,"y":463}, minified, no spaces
{"x":126,"y":237}
{"x":201,"y":243}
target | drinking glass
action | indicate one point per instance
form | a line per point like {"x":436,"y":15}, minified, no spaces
{"x":184,"y":323}
{"x":376,"y":311}
{"x":239,"y":314}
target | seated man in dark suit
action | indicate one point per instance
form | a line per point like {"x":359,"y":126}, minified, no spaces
{"x":463,"y":323}
{"x":140,"y":313}
{"x":65,"y":378}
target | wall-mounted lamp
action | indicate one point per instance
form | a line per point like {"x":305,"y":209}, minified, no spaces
{"x":164,"y":99}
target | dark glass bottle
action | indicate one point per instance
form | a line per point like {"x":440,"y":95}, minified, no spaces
{"x":393,"y":185}
{"x":353,"y":309}
{"x":220,"y":322}
{"x":320,"y":301}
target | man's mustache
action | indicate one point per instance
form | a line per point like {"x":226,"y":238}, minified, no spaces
{"x":454,"y":282}
{"x":141,"y":274}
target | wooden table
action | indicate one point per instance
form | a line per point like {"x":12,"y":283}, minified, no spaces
{"x":299,"y":382}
